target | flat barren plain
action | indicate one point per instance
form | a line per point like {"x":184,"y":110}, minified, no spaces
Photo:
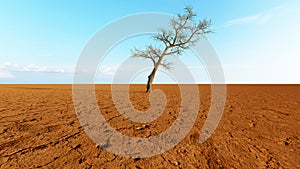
{"x":260,"y":128}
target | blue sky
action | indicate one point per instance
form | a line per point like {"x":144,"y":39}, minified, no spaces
{"x":40,"y":41}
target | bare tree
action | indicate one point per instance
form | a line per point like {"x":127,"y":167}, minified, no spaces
{"x":183,"y":34}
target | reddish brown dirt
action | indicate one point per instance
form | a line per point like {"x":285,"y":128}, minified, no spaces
{"x":259,"y":129}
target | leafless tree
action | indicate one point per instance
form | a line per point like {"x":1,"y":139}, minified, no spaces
{"x":183,"y":34}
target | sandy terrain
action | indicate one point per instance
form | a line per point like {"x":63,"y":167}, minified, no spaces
{"x":259,"y":129}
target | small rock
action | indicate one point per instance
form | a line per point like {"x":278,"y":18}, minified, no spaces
{"x":4,"y":130}
{"x":77,"y":146}
{"x":181,"y":151}
{"x":176,"y":162}
{"x":23,"y":120}
{"x":280,"y":142}
{"x":251,"y":124}
{"x":145,"y":126}
{"x":203,"y":116}
{"x":140,"y":128}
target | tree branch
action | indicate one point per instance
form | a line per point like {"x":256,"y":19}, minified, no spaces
{"x":184,"y":33}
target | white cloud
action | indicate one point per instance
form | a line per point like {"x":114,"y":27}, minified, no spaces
{"x":108,"y":70}
{"x":35,"y":68}
{"x":5,"y":74}
{"x":243,"y":20}
{"x":9,"y":67}
{"x":261,"y":18}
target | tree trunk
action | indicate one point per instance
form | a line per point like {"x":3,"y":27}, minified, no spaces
{"x":152,"y":75}
{"x":150,"y":80}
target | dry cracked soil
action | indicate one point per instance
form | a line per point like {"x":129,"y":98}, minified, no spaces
{"x":259,"y":129}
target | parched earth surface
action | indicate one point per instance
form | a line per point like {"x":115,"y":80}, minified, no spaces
{"x":259,"y":128}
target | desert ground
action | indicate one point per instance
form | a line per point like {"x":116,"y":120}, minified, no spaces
{"x":259,"y":129}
